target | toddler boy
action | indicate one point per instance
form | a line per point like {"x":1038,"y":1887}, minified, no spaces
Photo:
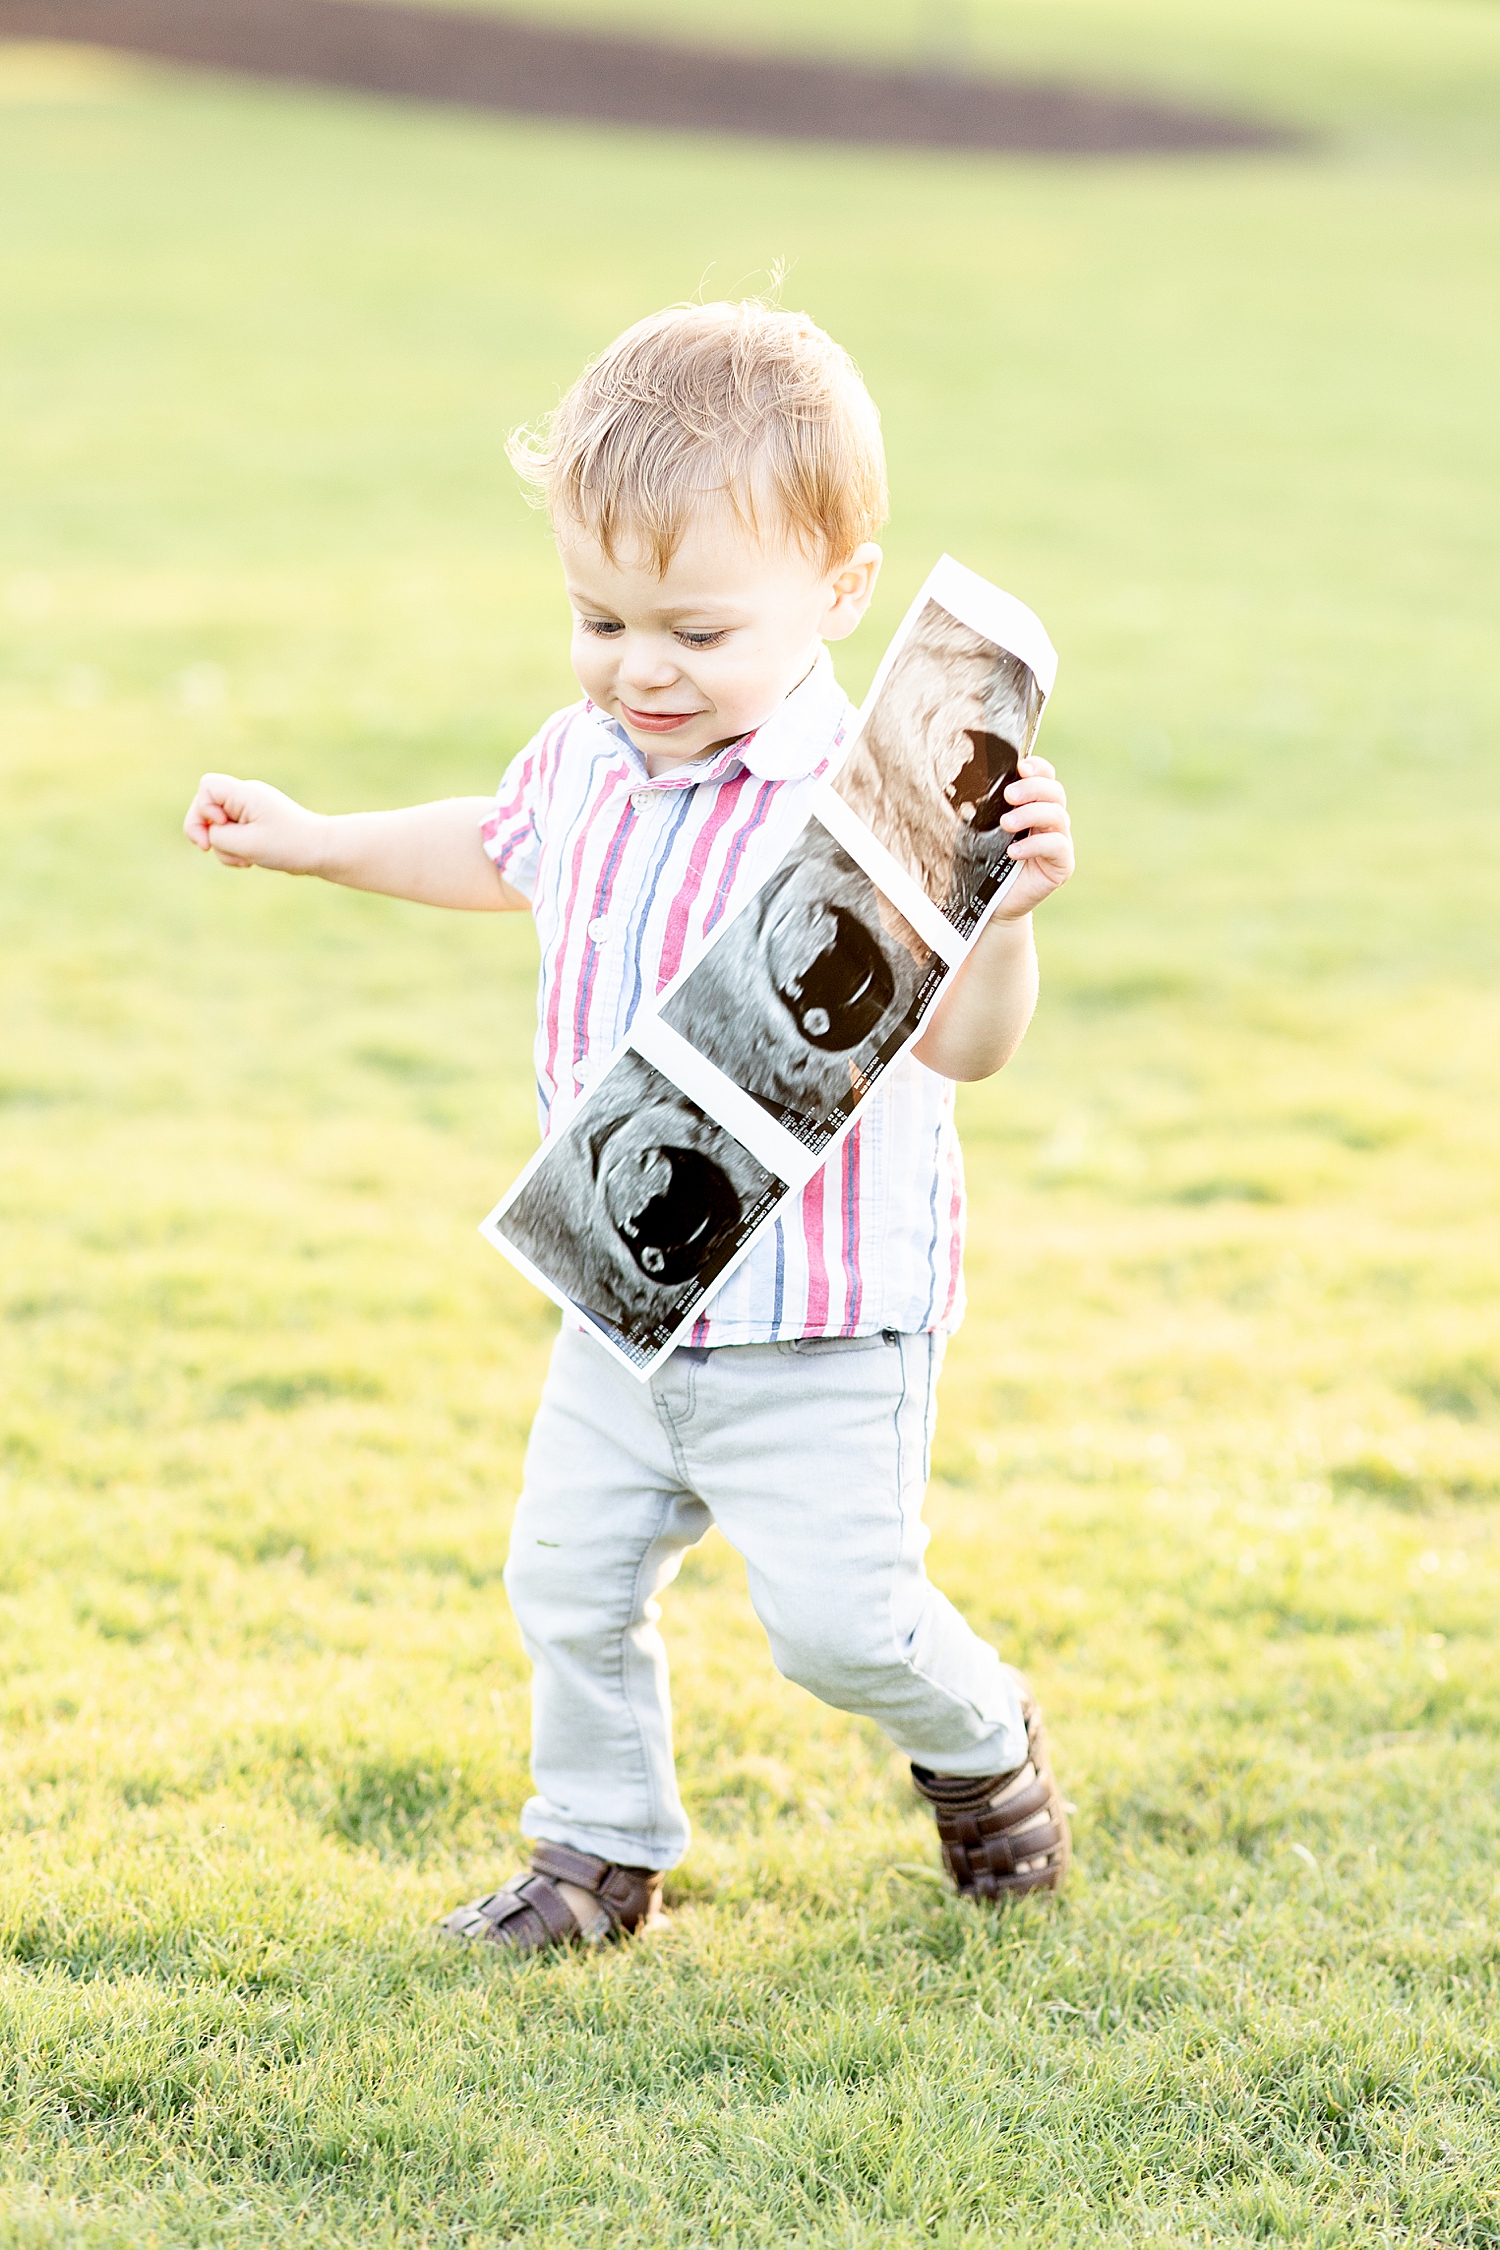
{"x":715,"y":481}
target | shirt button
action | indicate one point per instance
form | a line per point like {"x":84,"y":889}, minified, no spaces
{"x":639,"y":797}
{"x":580,"y":1070}
{"x":599,"y":929}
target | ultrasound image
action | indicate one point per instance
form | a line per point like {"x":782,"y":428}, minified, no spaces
{"x":637,"y":1206}
{"x":929,"y":772}
{"x":810,"y":992}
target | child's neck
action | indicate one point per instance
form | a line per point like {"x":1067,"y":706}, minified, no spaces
{"x":659,"y":762}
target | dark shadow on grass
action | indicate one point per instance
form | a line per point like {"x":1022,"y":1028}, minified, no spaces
{"x":505,"y":63}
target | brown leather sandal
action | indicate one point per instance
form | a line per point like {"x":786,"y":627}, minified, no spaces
{"x":1002,"y":1833}
{"x":569,"y":1898}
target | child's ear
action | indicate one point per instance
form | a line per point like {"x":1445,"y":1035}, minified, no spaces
{"x":850,"y":588}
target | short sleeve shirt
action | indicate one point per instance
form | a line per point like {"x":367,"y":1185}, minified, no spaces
{"x":628,"y":879}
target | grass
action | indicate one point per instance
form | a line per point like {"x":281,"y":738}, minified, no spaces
{"x":1220,"y":1456}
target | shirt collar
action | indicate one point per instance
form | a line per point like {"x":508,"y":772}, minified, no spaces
{"x":797,"y":739}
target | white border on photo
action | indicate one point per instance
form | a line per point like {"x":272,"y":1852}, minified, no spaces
{"x":977,"y":604}
{"x":887,"y":874}
{"x":1011,"y":626}
{"x":727,"y":1104}
{"x":998,"y":616}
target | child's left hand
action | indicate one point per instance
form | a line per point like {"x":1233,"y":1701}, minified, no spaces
{"x":1039,"y":806}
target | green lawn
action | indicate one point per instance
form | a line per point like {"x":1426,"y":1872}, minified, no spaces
{"x":1220,"y":1457}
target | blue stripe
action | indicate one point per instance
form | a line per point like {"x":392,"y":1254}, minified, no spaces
{"x":780,"y":1238}
{"x":647,"y":896}
{"x":591,"y":956}
{"x":932,"y":1245}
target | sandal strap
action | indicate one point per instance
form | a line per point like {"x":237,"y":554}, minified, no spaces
{"x":531,"y":1912}
{"x":528,"y":1914}
{"x":569,"y":1865}
{"x":627,"y":1894}
{"x":979,"y":1853}
{"x":956,"y":1795}
{"x":988,"y":1848}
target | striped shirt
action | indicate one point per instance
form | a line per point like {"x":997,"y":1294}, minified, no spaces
{"x":628,"y":879}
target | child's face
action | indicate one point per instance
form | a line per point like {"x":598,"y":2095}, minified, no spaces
{"x":706,"y":652}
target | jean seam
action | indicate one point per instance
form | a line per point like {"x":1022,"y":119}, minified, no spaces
{"x":670,"y":1431}
{"x":653,"y":1808}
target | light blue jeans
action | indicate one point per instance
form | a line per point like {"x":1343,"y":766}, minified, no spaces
{"x":812,"y":1460}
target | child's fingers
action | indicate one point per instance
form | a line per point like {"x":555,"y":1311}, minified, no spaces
{"x":1055,"y":853}
{"x":1034,"y":767}
{"x":201,"y":822}
{"x":219,"y":802}
{"x":1035,"y":789}
{"x":1043,"y":814}
{"x":200,"y":815}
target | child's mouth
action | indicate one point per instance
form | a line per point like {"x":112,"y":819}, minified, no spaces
{"x":657,"y":722}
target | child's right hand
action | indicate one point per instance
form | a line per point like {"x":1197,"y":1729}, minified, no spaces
{"x":250,"y":824}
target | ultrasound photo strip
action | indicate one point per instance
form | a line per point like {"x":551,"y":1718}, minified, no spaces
{"x":634,"y":1210}
{"x":738,"y":1085}
{"x":815,"y":988}
{"x":954,"y":708}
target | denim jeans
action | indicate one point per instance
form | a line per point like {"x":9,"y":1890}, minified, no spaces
{"x":811,"y":1457}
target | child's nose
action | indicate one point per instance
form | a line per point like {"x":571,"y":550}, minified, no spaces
{"x":647,"y":664}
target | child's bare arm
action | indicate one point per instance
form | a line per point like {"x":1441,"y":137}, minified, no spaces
{"x":982,"y":1017}
{"x":430,"y":853}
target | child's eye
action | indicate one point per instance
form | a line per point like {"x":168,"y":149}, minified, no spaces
{"x":701,"y":640}
{"x":605,"y":627}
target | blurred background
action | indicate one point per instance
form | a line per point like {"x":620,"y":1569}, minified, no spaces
{"x":1220,"y":1449}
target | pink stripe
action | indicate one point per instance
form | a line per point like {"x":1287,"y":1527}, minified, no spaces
{"x":490,"y":828}
{"x":555,"y":745}
{"x":700,"y":1329}
{"x":528,"y":782}
{"x":562,"y":947}
{"x":823,"y":764}
{"x":504,"y":847}
{"x":735,"y":854}
{"x":850,"y":1216}
{"x":817,"y":1271}
{"x":955,"y":1239}
{"x":692,"y":882}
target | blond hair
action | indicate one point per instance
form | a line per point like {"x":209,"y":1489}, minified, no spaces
{"x":743,"y":401}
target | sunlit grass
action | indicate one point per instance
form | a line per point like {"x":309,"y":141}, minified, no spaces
{"x":1220,"y":1450}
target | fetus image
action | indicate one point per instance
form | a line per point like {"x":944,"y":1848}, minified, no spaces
{"x":637,"y":1206}
{"x":929,"y":771}
{"x":810,"y":992}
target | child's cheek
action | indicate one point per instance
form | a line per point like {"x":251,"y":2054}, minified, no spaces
{"x":589,"y":669}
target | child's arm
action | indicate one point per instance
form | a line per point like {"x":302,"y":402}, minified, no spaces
{"x":982,"y":1017}
{"x":430,"y":853}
